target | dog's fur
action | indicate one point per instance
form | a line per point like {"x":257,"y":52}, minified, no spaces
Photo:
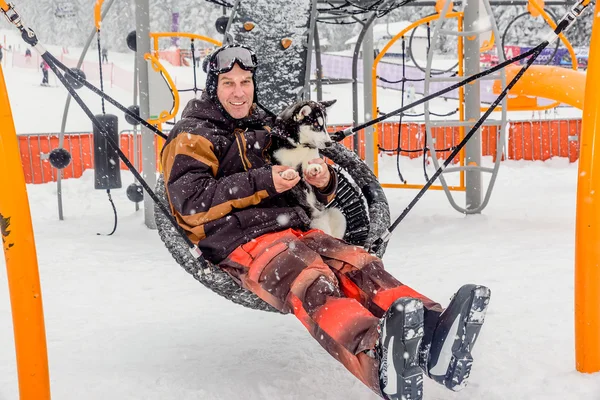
{"x":297,"y":135}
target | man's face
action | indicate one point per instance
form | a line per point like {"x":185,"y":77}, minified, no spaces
{"x":235,"y":91}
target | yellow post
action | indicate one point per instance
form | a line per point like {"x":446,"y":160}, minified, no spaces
{"x":587,"y":225}
{"x":21,"y":263}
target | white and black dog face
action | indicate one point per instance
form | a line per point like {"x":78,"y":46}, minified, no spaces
{"x":299,"y":132}
{"x":305,"y":124}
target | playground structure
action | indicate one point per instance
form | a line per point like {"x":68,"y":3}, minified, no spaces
{"x":539,"y":82}
{"x":298,"y":59}
{"x":18,"y":216}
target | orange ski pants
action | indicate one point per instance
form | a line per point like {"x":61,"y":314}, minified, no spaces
{"x":337,"y":290}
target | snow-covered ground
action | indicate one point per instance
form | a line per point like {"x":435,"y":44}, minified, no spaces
{"x":124,"y":321}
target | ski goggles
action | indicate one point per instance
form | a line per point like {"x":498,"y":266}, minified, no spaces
{"x":224,"y":60}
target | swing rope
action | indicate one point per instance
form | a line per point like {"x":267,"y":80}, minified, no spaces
{"x":112,"y":203}
{"x":100,"y":68}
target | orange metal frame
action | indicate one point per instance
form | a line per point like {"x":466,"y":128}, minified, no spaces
{"x":587,"y":224}
{"x":21,"y":261}
{"x":98,"y":14}
{"x":158,"y":67}
{"x":377,"y":133}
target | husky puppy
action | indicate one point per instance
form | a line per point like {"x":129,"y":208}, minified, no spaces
{"x":297,"y":135}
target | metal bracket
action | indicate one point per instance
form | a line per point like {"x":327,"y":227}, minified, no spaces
{"x":12,"y":15}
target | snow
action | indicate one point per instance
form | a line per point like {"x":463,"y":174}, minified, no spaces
{"x":124,"y":321}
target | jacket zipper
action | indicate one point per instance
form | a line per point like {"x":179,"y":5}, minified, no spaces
{"x":242,"y":149}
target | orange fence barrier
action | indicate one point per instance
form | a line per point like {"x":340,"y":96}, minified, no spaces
{"x":541,"y":140}
{"x":527,"y":140}
{"x":413,"y":136}
{"x":35,"y":149}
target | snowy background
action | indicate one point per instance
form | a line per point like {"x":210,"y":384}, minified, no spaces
{"x":69,"y":22}
{"x":124,"y":321}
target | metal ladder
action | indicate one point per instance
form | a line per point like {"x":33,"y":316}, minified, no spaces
{"x":501,"y":139}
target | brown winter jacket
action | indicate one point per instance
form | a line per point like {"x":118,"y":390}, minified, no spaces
{"x":219,"y":183}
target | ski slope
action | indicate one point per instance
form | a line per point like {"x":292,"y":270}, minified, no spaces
{"x":124,"y":321}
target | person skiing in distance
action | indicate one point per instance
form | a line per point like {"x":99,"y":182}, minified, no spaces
{"x":45,"y":68}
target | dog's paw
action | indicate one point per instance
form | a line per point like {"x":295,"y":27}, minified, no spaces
{"x":289,"y":174}
{"x":314,"y":169}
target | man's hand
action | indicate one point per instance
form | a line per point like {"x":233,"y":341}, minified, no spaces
{"x":282,"y":184}
{"x":317,"y":173}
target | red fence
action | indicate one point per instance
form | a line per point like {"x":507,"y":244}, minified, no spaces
{"x":35,"y":149}
{"x":527,"y":140}
{"x":541,"y":140}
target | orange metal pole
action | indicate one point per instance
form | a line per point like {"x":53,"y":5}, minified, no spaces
{"x":461,"y":99}
{"x":186,"y":35}
{"x":21,"y":263}
{"x":587,"y":224}
{"x":98,"y":13}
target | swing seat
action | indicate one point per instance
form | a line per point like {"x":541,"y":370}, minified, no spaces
{"x":359,"y":197}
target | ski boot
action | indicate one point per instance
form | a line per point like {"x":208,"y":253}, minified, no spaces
{"x":397,"y":349}
{"x":447,"y":359}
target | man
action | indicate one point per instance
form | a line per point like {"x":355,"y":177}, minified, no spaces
{"x":225,"y":194}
